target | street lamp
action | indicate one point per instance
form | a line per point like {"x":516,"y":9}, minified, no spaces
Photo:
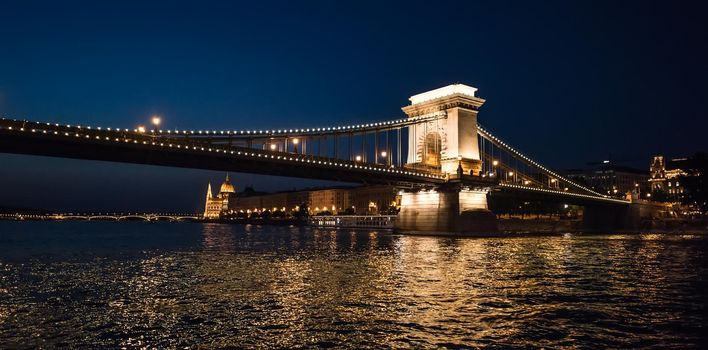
{"x":141,"y":128}
{"x":272,"y":147}
{"x":384,"y":154}
{"x":156,"y":120}
{"x":357,"y":158}
{"x":295,"y":142}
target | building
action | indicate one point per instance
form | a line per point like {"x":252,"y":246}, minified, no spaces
{"x":611,"y":179}
{"x":374,"y":200}
{"x":666,"y":184}
{"x":364,"y":200}
{"x":329,"y":200}
{"x":679,"y":180}
{"x":217,"y":206}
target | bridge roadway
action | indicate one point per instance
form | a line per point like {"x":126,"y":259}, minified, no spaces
{"x":178,"y":149}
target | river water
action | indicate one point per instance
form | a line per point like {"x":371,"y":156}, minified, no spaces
{"x":169,"y":285}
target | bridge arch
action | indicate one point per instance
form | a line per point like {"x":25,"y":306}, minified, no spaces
{"x":432,"y":149}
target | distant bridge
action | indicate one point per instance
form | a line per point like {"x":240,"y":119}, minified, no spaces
{"x":103,"y":216}
{"x":438,"y":147}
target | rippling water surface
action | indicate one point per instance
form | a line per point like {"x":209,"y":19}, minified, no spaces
{"x":166,"y":285}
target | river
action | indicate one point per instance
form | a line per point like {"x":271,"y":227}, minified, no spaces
{"x":169,"y":285}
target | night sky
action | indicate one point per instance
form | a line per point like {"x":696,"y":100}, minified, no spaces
{"x":566,"y":82}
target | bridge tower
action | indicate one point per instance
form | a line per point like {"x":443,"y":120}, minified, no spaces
{"x":445,"y":144}
{"x":448,"y":145}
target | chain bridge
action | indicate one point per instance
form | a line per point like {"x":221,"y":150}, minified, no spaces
{"x":439,"y":156}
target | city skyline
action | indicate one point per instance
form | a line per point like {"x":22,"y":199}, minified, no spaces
{"x":566,"y":97}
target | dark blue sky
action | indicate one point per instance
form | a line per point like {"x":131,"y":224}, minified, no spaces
{"x":567,"y":82}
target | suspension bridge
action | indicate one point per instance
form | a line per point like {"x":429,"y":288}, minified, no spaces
{"x":439,"y":156}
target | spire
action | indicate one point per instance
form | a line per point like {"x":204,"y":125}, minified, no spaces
{"x":227,"y":177}
{"x":209,"y":195}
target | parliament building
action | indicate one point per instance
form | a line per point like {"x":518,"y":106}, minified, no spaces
{"x":224,"y":201}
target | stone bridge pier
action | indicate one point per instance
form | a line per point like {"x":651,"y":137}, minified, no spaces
{"x":446,"y":211}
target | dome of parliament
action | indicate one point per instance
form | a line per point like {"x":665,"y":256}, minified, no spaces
{"x":227,"y":187}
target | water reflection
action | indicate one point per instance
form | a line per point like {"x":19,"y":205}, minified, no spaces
{"x":251,"y":286}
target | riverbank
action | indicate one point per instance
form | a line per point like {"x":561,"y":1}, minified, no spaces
{"x":519,"y":226}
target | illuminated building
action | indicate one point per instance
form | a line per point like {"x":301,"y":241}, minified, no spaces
{"x":337,"y":200}
{"x":374,"y":199}
{"x":217,"y":206}
{"x":611,"y":179}
{"x":364,"y":200}
{"x":665,"y":180}
{"x":332,"y":200}
{"x":678,"y":180}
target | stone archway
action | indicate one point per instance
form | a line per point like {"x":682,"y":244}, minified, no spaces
{"x":432,"y":145}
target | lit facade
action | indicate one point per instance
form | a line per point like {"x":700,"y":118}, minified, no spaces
{"x":611,"y":179}
{"x":365,"y":200}
{"x":222,"y":203}
{"x":668,"y":178}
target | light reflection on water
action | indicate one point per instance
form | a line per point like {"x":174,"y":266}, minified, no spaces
{"x":89,"y":284}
